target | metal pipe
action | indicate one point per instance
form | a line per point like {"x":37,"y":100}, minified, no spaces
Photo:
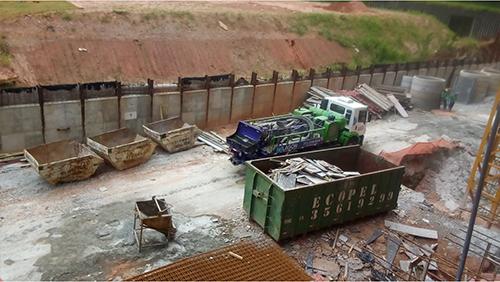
{"x":477,"y":196}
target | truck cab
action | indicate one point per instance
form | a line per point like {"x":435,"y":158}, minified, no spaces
{"x":355,"y":113}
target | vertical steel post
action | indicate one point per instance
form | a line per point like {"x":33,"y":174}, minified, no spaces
{"x":477,"y":196}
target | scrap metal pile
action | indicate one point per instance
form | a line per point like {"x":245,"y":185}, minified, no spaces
{"x":378,"y":102}
{"x":296,"y":172}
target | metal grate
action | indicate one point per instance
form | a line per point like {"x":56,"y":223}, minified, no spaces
{"x":247,"y":260}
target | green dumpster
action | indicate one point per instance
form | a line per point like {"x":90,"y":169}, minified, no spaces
{"x":285,"y":213}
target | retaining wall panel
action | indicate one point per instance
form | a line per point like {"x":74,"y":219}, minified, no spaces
{"x":135,"y":111}
{"x":194,"y":107}
{"x":63,"y":121}
{"x":390,"y":76}
{"x":219,"y":107}
{"x":263,"y":102}
{"x":101,"y":115}
{"x":364,"y":78}
{"x":167,"y":104}
{"x":20,"y":127}
{"x":242,"y":103}
{"x":300,"y":92}
{"x":377,"y":79}
{"x":399,"y":76}
{"x":283,"y":100}
{"x":322,"y":82}
{"x":335,"y":83}
{"x":350,"y":82}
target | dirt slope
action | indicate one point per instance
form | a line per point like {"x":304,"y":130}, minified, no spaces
{"x":158,"y":44}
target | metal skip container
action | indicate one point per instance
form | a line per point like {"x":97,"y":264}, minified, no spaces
{"x":122,"y":148}
{"x":63,"y":161}
{"x":287,"y":212}
{"x":172,"y":134}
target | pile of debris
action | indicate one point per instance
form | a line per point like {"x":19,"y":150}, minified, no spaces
{"x":378,"y":102}
{"x":296,"y":172}
{"x":213,"y":140}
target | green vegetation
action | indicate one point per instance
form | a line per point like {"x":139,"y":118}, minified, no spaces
{"x":479,"y":6}
{"x":5,"y":55}
{"x":66,"y":16}
{"x":10,"y":9}
{"x":378,"y":39}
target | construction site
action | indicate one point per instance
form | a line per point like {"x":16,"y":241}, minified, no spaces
{"x":249,"y":141}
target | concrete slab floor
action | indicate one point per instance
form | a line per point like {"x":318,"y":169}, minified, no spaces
{"x":83,"y":230}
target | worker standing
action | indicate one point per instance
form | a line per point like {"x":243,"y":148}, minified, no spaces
{"x":450,"y":100}
{"x":444,"y":98}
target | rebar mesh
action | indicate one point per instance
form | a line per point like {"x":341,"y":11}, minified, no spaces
{"x":244,"y":261}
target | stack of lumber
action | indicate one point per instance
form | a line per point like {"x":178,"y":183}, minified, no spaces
{"x":215,"y":141}
{"x":316,"y":94}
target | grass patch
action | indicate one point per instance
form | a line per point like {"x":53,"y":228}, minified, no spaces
{"x":5,"y":55}
{"x":10,"y":9}
{"x":478,"y":6}
{"x":376,"y":39}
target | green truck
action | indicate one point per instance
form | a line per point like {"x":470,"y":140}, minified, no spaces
{"x":337,"y":121}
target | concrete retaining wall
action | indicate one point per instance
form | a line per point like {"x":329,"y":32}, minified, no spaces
{"x":389,"y":78}
{"x":263,"y":101}
{"x":283,"y":99}
{"x":322,"y":82}
{"x":20,"y":127}
{"x":350,"y":82}
{"x":194,"y":107}
{"x":101,"y":115}
{"x":300,"y":92}
{"x":167,"y":104}
{"x":377,"y":79}
{"x":364,"y":78}
{"x":219,"y":108}
{"x":335,"y":83}
{"x":135,"y":111}
{"x":399,"y":76}
{"x":63,"y":120}
{"x":242,"y":103}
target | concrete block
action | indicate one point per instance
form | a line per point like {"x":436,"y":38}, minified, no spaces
{"x":335,"y":83}
{"x":364,"y":78}
{"x":432,"y":71}
{"x":350,"y":82}
{"x":135,"y":111}
{"x":389,"y":78}
{"x":422,"y":71}
{"x":219,"y":106}
{"x":441,"y":72}
{"x":413,"y":72}
{"x":194,"y":107}
{"x":377,"y":79}
{"x":20,"y":127}
{"x":263,"y":101}
{"x":242,"y":103}
{"x":399,"y":76}
{"x":101,"y":115}
{"x":300,"y":92}
{"x":166,"y":103}
{"x":322,"y":82}
{"x":283,"y":99}
{"x":63,"y":121}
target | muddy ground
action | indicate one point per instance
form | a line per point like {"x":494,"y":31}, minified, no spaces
{"x":83,"y":230}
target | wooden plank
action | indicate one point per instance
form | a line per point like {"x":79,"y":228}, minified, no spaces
{"x":397,"y":105}
{"x":415,"y":231}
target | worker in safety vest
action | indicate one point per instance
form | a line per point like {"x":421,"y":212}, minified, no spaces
{"x":444,"y":98}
